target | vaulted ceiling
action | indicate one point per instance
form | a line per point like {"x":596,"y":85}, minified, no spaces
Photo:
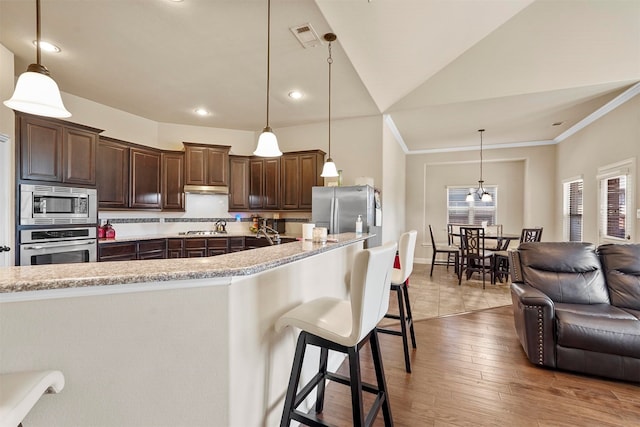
{"x":440,"y":69}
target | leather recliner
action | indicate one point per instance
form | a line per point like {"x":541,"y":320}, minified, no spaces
{"x":577,"y":308}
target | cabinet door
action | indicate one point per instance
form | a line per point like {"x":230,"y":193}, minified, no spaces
{"x":145,"y":179}
{"x":196,"y":165}
{"x":173,"y":181}
{"x":112,"y":174}
{"x":175,"y":248}
{"x":152,"y":249}
{"x":125,"y":251}
{"x":194,"y":248}
{"x":79,"y":153}
{"x":308,"y":178}
{"x":256,"y":183}
{"x":290,"y":181}
{"x":218,"y":163}
{"x":40,"y":150}
{"x":271,"y":191}
{"x":239,"y":183}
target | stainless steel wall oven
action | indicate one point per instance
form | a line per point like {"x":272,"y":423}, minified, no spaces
{"x":58,"y":246}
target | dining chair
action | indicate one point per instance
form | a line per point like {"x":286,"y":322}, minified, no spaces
{"x":475,"y":258}
{"x":449,"y":250}
{"x":501,"y":261}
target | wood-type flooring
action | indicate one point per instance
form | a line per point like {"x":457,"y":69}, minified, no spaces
{"x":469,"y":370}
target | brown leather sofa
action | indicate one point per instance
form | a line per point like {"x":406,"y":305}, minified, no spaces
{"x":577,"y":308}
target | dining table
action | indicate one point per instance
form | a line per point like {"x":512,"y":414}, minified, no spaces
{"x":502,"y":239}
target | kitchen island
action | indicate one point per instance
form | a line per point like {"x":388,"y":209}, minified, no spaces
{"x":167,"y":342}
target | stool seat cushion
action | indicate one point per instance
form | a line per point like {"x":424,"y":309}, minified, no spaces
{"x":20,"y":391}
{"x":396,"y":277}
{"x":328,"y":318}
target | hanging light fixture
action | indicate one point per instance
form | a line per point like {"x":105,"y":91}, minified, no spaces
{"x":36,"y":92}
{"x":482,"y":194}
{"x":267,"y":142}
{"x":329,"y":169}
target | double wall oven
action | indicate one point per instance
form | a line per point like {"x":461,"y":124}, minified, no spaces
{"x":57,"y":225}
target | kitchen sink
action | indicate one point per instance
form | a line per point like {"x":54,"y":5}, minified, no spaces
{"x":202,"y":233}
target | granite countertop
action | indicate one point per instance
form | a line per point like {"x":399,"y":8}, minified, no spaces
{"x":58,"y":276}
{"x":187,"y":236}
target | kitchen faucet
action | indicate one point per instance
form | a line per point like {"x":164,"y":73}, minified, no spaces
{"x":264,"y":230}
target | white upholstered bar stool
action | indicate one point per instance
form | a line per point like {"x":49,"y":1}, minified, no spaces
{"x":399,"y":284}
{"x":343,"y":326}
{"x":20,"y":391}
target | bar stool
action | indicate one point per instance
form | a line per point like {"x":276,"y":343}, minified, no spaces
{"x":344,"y":326}
{"x":20,"y":391}
{"x":399,"y":284}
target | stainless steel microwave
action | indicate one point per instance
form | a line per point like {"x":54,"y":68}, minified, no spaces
{"x":44,"y":204}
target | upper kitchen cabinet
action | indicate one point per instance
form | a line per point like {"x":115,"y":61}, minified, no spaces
{"x":144,"y":178}
{"x":238,"y":183}
{"x":113,"y":174}
{"x":173,"y":181}
{"x":264,"y":187}
{"x":300,"y":171}
{"x":128,"y":175}
{"x":206,"y":166}
{"x":53,"y":150}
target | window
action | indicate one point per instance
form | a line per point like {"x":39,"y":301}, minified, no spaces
{"x":616,"y":202}
{"x":459,"y":211}
{"x":572,"y":191}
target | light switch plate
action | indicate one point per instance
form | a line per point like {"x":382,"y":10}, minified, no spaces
{"x":638,"y":214}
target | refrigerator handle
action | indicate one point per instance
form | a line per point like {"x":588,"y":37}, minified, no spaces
{"x":332,"y":215}
{"x":336,"y":217}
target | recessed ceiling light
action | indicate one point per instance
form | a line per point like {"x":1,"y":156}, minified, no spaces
{"x":201,"y":112}
{"x":294,"y":94}
{"x":47,"y":47}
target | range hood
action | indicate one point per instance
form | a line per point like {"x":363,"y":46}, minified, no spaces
{"x":206,"y":189}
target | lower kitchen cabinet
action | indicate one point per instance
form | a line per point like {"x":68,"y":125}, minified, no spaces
{"x":236,"y":244}
{"x":175,"y":248}
{"x":195,"y":248}
{"x":217,"y":246}
{"x":152,"y":249}
{"x":129,"y":251}
{"x":124,"y":251}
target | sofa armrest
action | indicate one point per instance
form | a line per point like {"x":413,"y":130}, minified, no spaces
{"x":534,"y":316}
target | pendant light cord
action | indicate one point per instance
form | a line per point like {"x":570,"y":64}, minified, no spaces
{"x":481,"y":130}
{"x":268,"y":54}
{"x":38,"y":32}
{"x":330,"y":61}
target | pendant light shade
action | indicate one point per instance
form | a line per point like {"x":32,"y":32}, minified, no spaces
{"x":480,"y":192}
{"x":329,"y":169}
{"x":267,"y":144}
{"x":267,"y":141}
{"x":36,"y":92}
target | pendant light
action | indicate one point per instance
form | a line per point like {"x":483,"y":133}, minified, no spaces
{"x":267,"y":142}
{"x":36,"y":92}
{"x":329,"y":169}
{"x":482,"y":194}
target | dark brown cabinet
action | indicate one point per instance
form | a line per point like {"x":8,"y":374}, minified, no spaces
{"x":175,"y":248}
{"x":264,"y":187}
{"x":217,"y":246}
{"x":120,"y":251}
{"x":300,"y":172}
{"x":238,"y":183}
{"x":173,"y":181}
{"x":128,"y":176}
{"x":206,"y":165}
{"x":236,"y":244}
{"x":129,"y":251}
{"x":194,"y":248}
{"x":113,"y":174}
{"x":152,"y":249}
{"x":144,"y":178}
{"x":56,"y":151}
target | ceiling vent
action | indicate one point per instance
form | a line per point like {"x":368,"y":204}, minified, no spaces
{"x":306,"y":35}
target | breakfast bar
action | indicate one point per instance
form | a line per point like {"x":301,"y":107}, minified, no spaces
{"x":167,"y":342}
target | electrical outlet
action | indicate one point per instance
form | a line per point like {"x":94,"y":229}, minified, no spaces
{"x":638,"y":214}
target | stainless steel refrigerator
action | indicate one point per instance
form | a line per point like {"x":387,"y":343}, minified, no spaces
{"x":337,"y":208}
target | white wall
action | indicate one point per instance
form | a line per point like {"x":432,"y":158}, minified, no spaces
{"x":393,"y":181}
{"x":612,"y":138}
{"x":7,"y":159}
{"x":525,"y":179}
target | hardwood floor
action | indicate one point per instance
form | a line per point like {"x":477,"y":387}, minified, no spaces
{"x":469,"y":370}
